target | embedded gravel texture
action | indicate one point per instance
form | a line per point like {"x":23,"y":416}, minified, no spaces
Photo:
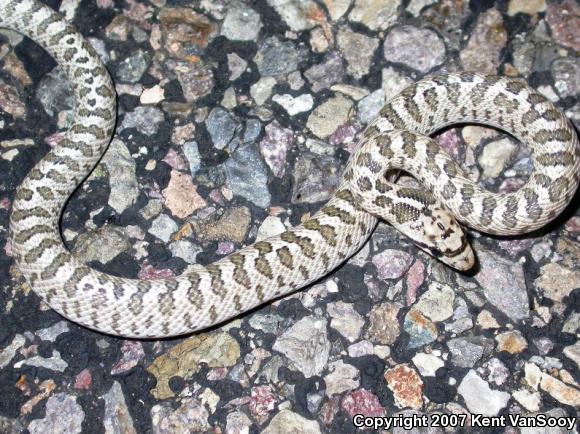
{"x":235,"y":121}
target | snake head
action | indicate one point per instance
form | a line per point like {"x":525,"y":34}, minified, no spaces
{"x":438,"y":233}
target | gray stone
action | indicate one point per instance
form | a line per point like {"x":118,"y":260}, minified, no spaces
{"x":122,"y":176}
{"x":566,"y":73}
{"x":306,"y":345}
{"x":241,"y":23}
{"x":358,"y":50}
{"x":163,"y":227}
{"x":370,"y":106}
{"x":315,"y":178}
{"x":221,"y":126}
{"x":117,"y":419}
{"x":466,"y":352}
{"x":131,"y":69}
{"x":49,"y":334}
{"x":8,"y":353}
{"x":145,"y":120}
{"x":287,"y":422}
{"x":503,"y":284}
{"x":324,"y":75}
{"x":375,"y":14}
{"x":420,"y":49}
{"x":276,"y":58}
{"x":247,"y":175}
{"x":191,"y":151}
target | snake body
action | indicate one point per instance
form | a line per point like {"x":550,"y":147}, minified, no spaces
{"x":281,"y":264}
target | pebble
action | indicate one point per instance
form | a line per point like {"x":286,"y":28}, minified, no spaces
{"x":232,"y":225}
{"x":530,"y":7}
{"x":363,"y":402}
{"x":437,"y":302}
{"x":274,"y":147}
{"x":375,"y":14}
{"x":417,"y":48}
{"x":247,"y":175}
{"x":358,"y":50}
{"x":8,"y":353}
{"x":427,"y":364}
{"x":370,"y":106}
{"x":145,"y":119}
{"x":495,"y":371}
{"x":54,"y":92}
{"x":277,"y":58}
{"x":117,"y":418}
{"x":557,"y":282}
{"x":406,"y":385}
{"x":346,"y":320}
{"x":503,"y":284}
{"x":466,"y":352}
{"x":236,"y":66}
{"x":318,"y":41}
{"x":190,"y":416}
{"x":262,"y":402}
{"x":359,"y":349}
{"x":287,"y":421}
{"x":101,"y":245}
{"x":294,"y":105}
{"x":241,"y":23}
{"x":121,"y":168}
{"x":163,"y":227}
{"x":221,"y":126}
{"x":53,"y":363}
{"x":191,"y":152}
{"x":185,"y":32}
{"x":392,"y":264}
{"x":487,"y":40}
{"x":564,"y":21}
{"x":495,"y":156}
{"x":185,"y":250}
{"x":262,"y":89}
{"x":63,"y":415}
{"x":181,"y":196}
{"x":184,"y":359}
{"x":530,"y":400}
{"x":306,"y":345}
{"x":132,"y":353}
{"x":237,"y":423}
{"x":487,"y":321}
{"x":196,"y":79}
{"x":559,"y":391}
{"x":298,"y":14}
{"x":49,"y":334}
{"x":512,"y":342}
{"x":324,"y":75}
{"x":573,"y":352}
{"x":479,"y":397}
{"x":416,"y":6}
{"x":383,"y":324}
{"x":327,"y":117}
{"x":342,"y":378}
{"x":315,"y":178}
{"x":132,"y":68}
{"x":421,"y":331}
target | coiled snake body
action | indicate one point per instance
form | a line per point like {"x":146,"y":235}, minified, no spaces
{"x":282,"y":264}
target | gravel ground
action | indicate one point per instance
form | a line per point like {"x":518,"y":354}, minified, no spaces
{"x":235,"y":121}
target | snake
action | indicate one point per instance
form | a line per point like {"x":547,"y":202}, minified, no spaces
{"x":398,"y":139}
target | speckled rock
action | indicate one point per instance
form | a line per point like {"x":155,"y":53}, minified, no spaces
{"x":419,"y":49}
{"x":190,"y":417}
{"x":276,"y":58}
{"x":566,"y":73}
{"x":564,"y":20}
{"x":185,"y":31}
{"x":9,"y":351}
{"x":466,"y":352}
{"x":232,"y":225}
{"x":241,"y":23}
{"x":294,"y":105}
{"x":559,"y":391}
{"x":274,"y":147}
{"x":483,"y":49}
{"x":63,"y":415}
{"x":181,"y":195}
{"x":406,"y":385}
{"x":324,"y":75}
{"x":503,"y":285}
{"x":163,"y":227}
{"x":495,"y":156}
{"x":392,"y":264}
{"x":133,"y":67}
{"x":221,"y":126}
{"x":363,"y":402}
{"x":370,"y":106}
{"x":145,"y":119}
{"x":298,"y":14}
{"x":306,"y":345}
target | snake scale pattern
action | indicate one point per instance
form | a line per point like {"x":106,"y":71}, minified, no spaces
{"x":281,"y":264}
